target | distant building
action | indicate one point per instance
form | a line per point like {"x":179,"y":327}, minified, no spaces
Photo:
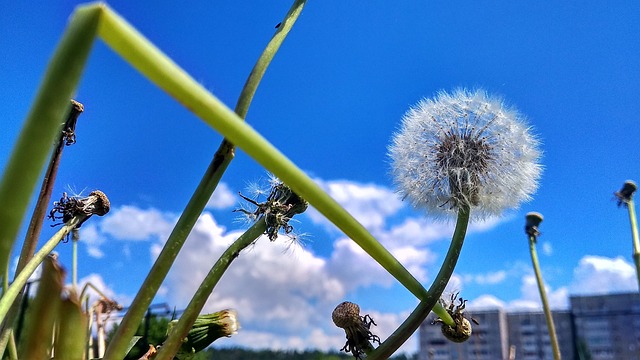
{"x":596,"y":328}
{"x":530,"y":339}
{"x":488,"y":342}
{"x":607,"y":327}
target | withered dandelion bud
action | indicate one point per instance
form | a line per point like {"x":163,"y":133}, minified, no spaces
{"x":357,"y":329}
{"x":462,"y":330}
{"x":626,"y":193}
{"x":533,"y":220}
{"x":67,"y":207}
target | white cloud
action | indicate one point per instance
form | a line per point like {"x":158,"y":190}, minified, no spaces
{"x":277,"y":287}
{"x":547,"y":249}
{"x":599,"y":275}
{"x":223,"y":197}
{"x":486,"y":302}
{"x":489,"y":278}
{"x":370,"y":204}
{"x":132,"y":223}
{"x":90,"y":237}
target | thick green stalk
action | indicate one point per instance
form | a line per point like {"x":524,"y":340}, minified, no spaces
{"x":543,"y":297}
{"x":634,"y":235}
{"x":412,"y":323}
{"x":171,"y":346}
{"x":149,"y":60}
{"x":116,"y":32}
{"x":21,"y":279}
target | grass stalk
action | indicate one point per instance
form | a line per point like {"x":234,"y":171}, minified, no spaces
{"x":634,"y":236}
{"x":543,"y":297}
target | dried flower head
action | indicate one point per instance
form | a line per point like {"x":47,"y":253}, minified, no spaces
{"x":357,"y":328}
{"x":533,"y":220}
{"x":462,"y":330}
{"x":625,"y":194}
{"x":465,"y":149}
{"x":278,"y":209}
{"x":67,"y":207}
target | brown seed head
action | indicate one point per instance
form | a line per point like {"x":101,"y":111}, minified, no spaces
{"x":99,"y":204}
{"x":346,"y":314}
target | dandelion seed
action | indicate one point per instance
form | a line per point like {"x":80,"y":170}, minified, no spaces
{"x":465,"y":150}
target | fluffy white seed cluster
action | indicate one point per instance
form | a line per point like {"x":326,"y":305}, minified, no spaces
{"x":465,"y":149}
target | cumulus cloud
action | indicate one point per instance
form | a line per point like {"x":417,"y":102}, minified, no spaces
{"x":486,"y":302}
{"x":223,"y":197}
{"x":126,"y":223}
{"x":92,"y":239}
{"x":599,"y":275}
{"x":370,"y":204}
{"x":279,"y":289}
{"x":132,"y":223}
{"x":490,"y":278}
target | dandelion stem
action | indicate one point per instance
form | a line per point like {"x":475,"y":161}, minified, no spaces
{"x":634,"y":233}
{"x":171,"y":346}
{"x":21,"y":279}
{"x":543,"y":297}
{"x":411,"y":324}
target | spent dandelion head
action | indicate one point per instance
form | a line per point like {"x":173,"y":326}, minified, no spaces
{"x":357,"y":328}
{"x":462,"y":329}
{"x":278,"y":209}
{"x":532,"y":223}
{"x":465,"y":150}
{"x":625,"y":194}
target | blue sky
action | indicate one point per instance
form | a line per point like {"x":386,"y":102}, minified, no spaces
{"x":331,"y":100}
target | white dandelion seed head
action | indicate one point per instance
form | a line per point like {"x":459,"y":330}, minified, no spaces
{"x":465,"y":149}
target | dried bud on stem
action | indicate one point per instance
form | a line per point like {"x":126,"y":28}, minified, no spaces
{"x":357,"y":328}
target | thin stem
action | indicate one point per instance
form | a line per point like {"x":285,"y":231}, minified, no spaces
{"x":74,"y":263}
{"x":543,"y":297}
{"x":412,"y":323}
{"x":30,"y":267}
{"x":171,"y":346}
{"x":634,"y":234}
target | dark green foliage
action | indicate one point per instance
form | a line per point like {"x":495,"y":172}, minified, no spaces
{"x":245,"y":354}
{"x":156,"y":334}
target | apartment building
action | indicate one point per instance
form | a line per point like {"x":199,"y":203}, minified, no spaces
{"x":601,"y":327}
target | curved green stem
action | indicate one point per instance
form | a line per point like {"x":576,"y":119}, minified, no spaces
{"x":171,"y":346}
{"x":543,"y":297}
{"x":21,"y":279}
{"x":412,"y":323}
{"x":634,"y":236}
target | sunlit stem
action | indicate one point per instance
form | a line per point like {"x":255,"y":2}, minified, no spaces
{"x":420,"y":313}
{"x":543,"y":297}
{"x":74,"y":260}
{"x":634,"y":235}
{"x":145,"y":57}
{"x":21,"y":279}
{"x":181,"y":329}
